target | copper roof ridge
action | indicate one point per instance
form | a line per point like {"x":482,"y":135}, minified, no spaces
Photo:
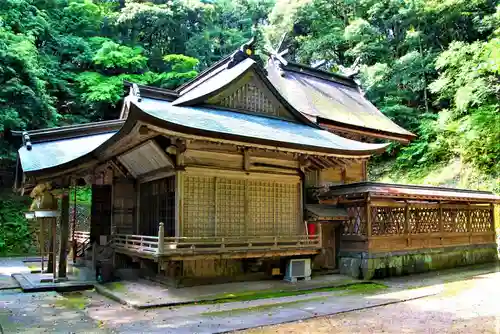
{"x":408,"y":186}
{"x":320,"y":74}
{"x":71,"y":131}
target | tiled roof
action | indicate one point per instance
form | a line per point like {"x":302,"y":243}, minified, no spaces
{"x":53,"y":153}
{"x":253,"y":127}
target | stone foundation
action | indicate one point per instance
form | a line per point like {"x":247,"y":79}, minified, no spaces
{"x":367,"y":265}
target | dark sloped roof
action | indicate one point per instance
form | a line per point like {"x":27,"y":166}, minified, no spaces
{"x":49,"y":154}
{"x":411,"y":192}
{"x":220,"y":78}
{"x":326,"y":211}
{"x":337,"y":99}
{"x":252,"y":128}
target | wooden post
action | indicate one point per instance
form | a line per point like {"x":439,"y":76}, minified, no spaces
{"x":42,"y":243}
{"x":407,"y":224}
{"x":368,"y":217}
{"x":469,"y":225}
{"x":492,"y":221}
{"x":216,"y":179}
{"x":441,"y":224}
{"x":53,"y":238}
{"x":161,"y":239}
{"x":51,"y":261}
{"x":64,"y":234}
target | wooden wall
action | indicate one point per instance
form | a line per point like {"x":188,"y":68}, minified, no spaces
{"x":234,"y":203}
{"x":355,"y":172}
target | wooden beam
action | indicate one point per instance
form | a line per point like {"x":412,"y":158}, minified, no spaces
{"x":246,"y":159}
{"x":318,"y":162}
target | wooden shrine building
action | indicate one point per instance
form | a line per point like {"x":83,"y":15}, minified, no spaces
{"x":245,"y":167}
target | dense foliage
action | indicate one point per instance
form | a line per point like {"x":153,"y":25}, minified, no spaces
{"x":431,"y":65}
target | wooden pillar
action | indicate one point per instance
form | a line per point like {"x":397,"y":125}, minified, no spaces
{"x":50,"y":262}
{"x":64,"y":234}
{"x":469,"y":224}
{"x":407,"y":224}
{"x":368,"y":216}
{"x":179,"y":193}
{"x":492,"y":221}
{"x":54,"y":238}
{"x":161,"y":239}
{"x":441,"y":225}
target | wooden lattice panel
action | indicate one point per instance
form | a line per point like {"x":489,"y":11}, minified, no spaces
{"x":249,"y":97}
{"x":449,"y":217}
{"x":481,"y":220}
{"x":460,"y":222}
{"x":261,"y":208}
{"x":287,"y":208}
{"x":356,"y":224}
{"x":199,"y":206}
{"x":230,"y":207}
{"x":423,"y":220}
{"x":388,"y":220}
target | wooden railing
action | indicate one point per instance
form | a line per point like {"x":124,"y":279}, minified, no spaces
{"x":81,"y":236}
{"x":160,"y":245}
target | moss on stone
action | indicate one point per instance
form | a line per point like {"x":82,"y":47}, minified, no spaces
{"x":415,"y":262}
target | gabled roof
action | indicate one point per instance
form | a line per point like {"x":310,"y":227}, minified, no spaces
{"x":331,"y":99}
{"x":313,"y":96}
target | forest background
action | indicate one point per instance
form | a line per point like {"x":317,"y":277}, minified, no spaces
{"x":433,"y":66}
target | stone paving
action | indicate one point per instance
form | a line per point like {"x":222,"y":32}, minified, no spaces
{"x":463,"y":306}
{"x":145,"y":294}
{"x":461,"y":297}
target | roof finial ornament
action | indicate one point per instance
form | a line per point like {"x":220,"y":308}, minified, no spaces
{"x":277,"y":56}
{"x":27,"y":140}
{"x":247,"y":50}
{"x":352,"y":70}
{"x":134,"y":91}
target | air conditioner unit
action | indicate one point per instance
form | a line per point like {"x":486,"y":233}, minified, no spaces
{"x":298,"y":268}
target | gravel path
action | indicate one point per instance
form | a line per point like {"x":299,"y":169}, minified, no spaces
{"x":464,"y":300}
{"x":466,"y":306}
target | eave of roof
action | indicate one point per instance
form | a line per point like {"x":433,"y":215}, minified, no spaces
{"x":52,"y":156}
{"x":241,"y":127}
{"x":49,"y":154}
{"x":326,"y":211}
{"x":410,"y":192}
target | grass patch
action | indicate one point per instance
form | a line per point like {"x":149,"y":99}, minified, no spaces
{"x":34,"y":267}
{"x":357,"y":288}
{"x":261,"y":308}
{"x":73,"y":300}
{"x":116,"y":286}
